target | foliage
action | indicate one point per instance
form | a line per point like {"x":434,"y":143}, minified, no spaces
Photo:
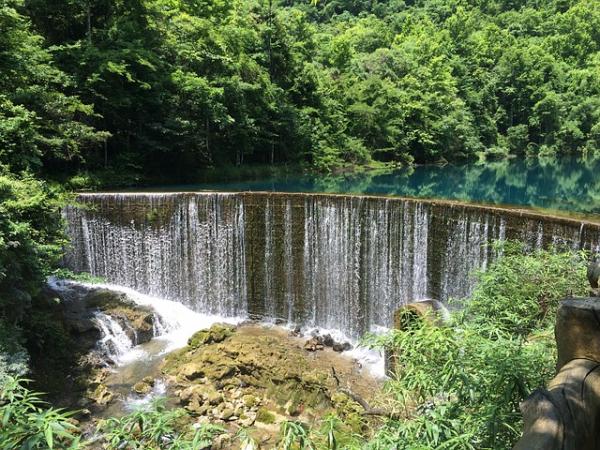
{"x":521,"y":293}
{"x":83,"y":277}
{"x":156,"y":428}
{"x":39,"y":121}
{"x":295,"y":436}
{"x":166,"y":88}
{"x":460,"y":385}
{"x":28,"y":423}
{"x":13,"y":356}
{"x":31,"y":240}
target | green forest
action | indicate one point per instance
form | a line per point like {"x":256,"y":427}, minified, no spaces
{"x":161,"y":87}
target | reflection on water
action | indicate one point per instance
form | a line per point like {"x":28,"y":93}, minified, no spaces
{"x":567,"y":184}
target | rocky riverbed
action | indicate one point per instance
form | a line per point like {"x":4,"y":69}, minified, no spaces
{"x":250,"y":376}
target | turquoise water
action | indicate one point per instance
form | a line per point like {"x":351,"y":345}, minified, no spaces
{"x":567,"y":184}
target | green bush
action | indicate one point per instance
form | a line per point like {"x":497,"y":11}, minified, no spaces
{"x":28,"y":422}
{"x":13,"y":356}
{"x":521,"y":291}
{"x":460,"y":385}
{"x":31,"y":241}
{"x":156,"y":428}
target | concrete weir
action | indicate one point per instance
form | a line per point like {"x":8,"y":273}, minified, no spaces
{"x":344,"y":262}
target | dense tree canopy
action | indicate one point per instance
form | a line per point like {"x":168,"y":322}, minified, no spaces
{"x":141,"y":86}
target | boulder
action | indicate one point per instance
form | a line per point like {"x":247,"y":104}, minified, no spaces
{"x":213,"y":335}
{"x":577,"y":330}
{"x":566,"y":415}
{"x":328,"y":341}
{"x":342,"y":346}
{"x":192,"y":371}
{"x":313,"y":344}
{"x":101,"y":395}
{"x":142,"y":387}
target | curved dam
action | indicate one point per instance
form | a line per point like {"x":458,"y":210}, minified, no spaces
{"x":333,"y":261}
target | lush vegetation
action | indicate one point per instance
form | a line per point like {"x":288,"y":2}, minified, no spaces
{"x":31,"y":240}
{"x":93,"y":87}
{"x":460,"y":385}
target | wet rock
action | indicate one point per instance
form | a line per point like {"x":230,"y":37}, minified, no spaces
{"x":342,"y":347}
{"x":142,"y":388}
{"x":313,"y":344}
{"x":137,"y":321}
{"x":105,"y":298}
{"x":101,"y":395}
{"x":84,"y":413}
{"x":90,"y":361}
{"x":328,"y":340}
{"x":96,"y":378}
{"x":83,"y":325}
{"x":213,"y":335}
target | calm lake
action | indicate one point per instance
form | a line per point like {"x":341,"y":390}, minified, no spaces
{"x":569,"y":185}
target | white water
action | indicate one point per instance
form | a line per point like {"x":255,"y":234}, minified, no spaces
{"x":178,"y":321}
{"x":115,"y":343}
{"x":135,"y":402}
{"x":175,"y":325}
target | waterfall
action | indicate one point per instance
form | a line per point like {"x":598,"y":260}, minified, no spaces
{"x":114,"y":343}
{"x":332,"y":261}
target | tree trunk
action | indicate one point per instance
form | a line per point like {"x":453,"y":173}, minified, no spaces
{"x":89,"y":22}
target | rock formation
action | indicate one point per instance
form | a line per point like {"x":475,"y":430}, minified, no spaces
{"x":566,"y":415}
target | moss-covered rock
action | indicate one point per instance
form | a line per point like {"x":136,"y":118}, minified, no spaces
{"x":265,"y":416}
{"x":250,"y":400}
{"x":192,"y":370}
{"x":213,"y":335}
{"x":101,"y":395}
{"x":256,"y":377}
{"x":142,"y":387}
{"x":137,"y":321}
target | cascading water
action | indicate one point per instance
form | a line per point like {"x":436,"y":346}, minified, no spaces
{"x":114,"y":343}
{"x":330,"y":261}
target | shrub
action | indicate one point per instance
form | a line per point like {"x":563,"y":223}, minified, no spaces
{"x":521,"y":291}
{"x":13,"y":356}
{"x":156,"y":428}
{"x":31,"y":241}
{"x":28,"y":423}
{"x":460,"y":385}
